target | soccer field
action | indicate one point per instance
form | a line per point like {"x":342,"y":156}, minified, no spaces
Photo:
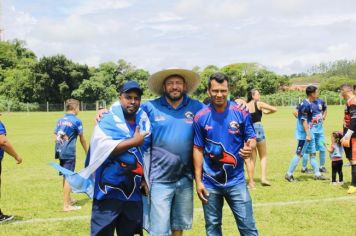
{"x":32,"y":191}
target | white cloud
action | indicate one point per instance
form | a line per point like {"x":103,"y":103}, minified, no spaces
{"x":286,"y":35}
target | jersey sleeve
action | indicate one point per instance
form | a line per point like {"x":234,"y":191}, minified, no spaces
{"x":2,"y":129}
{"x":56,"y":128}
{"x":79,"y":127}
{"x":303,"y":111}
{"x":249,"y":131}
{"x":198,"y":134}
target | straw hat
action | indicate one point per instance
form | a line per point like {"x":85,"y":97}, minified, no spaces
{"x":155,"y":81}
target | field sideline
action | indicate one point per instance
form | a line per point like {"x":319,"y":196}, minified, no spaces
{"x":32,"y":192}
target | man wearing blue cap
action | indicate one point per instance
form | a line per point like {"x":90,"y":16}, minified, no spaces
{"x":118,"y":144}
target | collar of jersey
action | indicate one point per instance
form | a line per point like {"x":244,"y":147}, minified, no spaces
{"x":221,"y":112}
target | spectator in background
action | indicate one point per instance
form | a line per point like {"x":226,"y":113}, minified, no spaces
{"x":5,"y":146}
{"x":256,"y":108}
{"x":349,"y":138}
{"x":67,"y":129}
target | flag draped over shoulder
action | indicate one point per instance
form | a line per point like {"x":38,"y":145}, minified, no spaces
{"x":107,"y":134}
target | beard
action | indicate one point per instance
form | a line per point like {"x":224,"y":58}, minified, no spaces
{"x":130,"y":113}
{"x":174,"y":98}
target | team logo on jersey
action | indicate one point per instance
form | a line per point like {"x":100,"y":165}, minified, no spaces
{"x":120,"y":173}
{"x":218,"y":159}
{"x":233,"y":127}
{"x":320,"y":107}
{"x":189,"y":117}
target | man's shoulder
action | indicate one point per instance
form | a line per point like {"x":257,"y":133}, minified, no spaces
{"x":195,"y":104}
{"x":203,"y":112}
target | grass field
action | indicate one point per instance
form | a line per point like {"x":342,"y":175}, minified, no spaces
{"x":32,"y":191}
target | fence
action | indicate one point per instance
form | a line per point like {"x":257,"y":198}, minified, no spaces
{"x":48,"y":107}
{"x":293,"y":101}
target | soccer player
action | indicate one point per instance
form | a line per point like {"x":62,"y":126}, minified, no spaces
{"x":319,"y":115}
{"x":171,"y":168}
{"x":349,"y":139}
{"x":304,"y":136}
{"x":118,"y":143}
{"x":5,"y":146}
{"x":224,"y":137}
{"x":67,"y":129}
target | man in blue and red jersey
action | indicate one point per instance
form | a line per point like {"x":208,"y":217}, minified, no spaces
{"x":349,"y":139}
{"x":6,"y":146}
{"x":67,"y":129}
{"x":304,"y":136}
{"x":170,"y":168}
{"x":224,"y":137}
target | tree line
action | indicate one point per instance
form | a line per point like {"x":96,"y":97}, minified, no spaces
{"x":25,"y":78}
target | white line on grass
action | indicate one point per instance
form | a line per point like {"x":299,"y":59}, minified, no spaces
{"x":266,"y":204}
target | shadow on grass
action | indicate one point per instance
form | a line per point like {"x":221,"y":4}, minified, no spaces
{"x":83,"y":202}
{"x":346,"y":185}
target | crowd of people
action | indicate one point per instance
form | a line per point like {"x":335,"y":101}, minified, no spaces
{"x":143,"y":158}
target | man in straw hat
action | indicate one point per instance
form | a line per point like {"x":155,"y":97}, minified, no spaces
{"x":170,"y":168}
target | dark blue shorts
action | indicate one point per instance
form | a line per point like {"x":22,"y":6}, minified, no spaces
{"x":109,"y":215}
{"x":69,"y":164}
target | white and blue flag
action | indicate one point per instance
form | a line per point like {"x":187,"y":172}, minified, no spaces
{"x":107,"y":134}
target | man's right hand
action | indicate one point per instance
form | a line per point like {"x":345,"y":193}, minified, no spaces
{"x":202,"y":192}
{"x":100,"y":114}
{"x":139,"y":137}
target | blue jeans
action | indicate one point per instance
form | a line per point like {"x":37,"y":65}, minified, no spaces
{"x":170,"y":207}
{"x":240,"y":203}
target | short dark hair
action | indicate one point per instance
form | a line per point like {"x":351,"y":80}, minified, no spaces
{"x":72,"y":104}
{"x":219,"y":77}
{"x":310,"y":89}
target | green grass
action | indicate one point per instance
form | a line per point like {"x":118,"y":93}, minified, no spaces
{"x":33,"y":190}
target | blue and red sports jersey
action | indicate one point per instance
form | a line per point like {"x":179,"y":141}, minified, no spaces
{"x":221,"y":135}
{"x":305,"y":112}
{"x":67,"y":130}
{"x":2,"y":132}
{"x":120,"y":176}
{"x":318,"y":108}
{"x":172,"y":138}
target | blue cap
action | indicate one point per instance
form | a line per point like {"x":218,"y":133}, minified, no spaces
{"x":131,"y":85}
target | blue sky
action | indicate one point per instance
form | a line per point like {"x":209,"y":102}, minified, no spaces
{"x":286,"y":36}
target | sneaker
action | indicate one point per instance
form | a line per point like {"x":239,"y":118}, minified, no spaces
{"x":322,"y":169}
{"x":320,"y":177}
{"x":351,"y":190}
{"x":340,"y":183}
{"x":333,"y":183}
{"x":306,"y":171}
{"x":4,"y":218}
{"x":290,"y":178}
